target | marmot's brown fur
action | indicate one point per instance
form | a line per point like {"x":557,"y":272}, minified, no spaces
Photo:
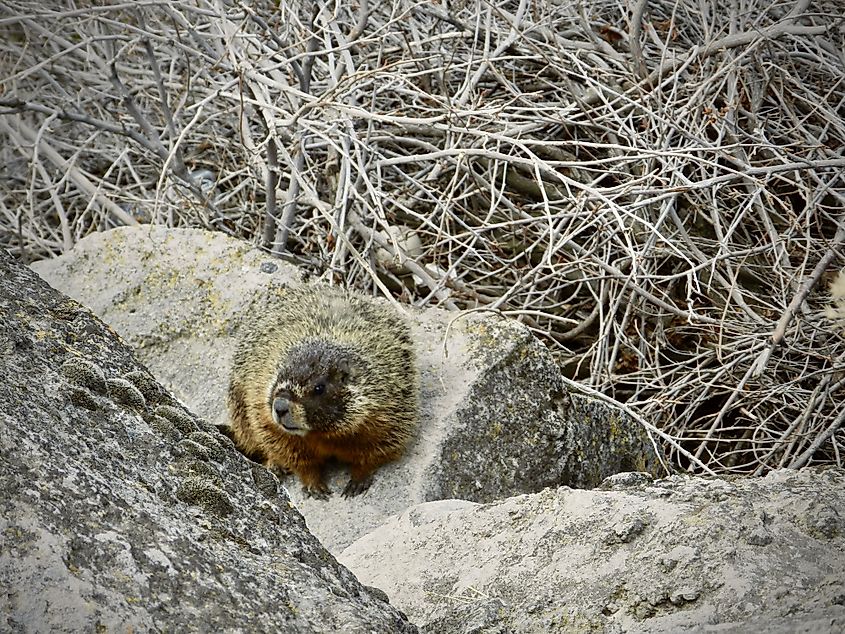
{"x":321,"y":373}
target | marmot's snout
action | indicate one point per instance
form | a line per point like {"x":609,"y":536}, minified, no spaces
{"x":284,"y":416}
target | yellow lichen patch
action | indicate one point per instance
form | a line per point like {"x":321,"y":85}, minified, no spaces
{"x":199,"y":491}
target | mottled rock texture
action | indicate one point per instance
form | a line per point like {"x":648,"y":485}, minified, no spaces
{"x":496,"y":417}
{"x":675,"y":555}
{"x":121,"y":511}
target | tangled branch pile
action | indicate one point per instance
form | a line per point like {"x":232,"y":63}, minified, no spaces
{"x":654,"y":187}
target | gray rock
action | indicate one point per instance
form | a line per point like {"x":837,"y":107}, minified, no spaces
{"x":496,"y":418}
{"x":675,"y":555}
{"x":121,"y":511}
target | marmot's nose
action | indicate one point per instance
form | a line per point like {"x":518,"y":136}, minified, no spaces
{"x":281,"y":407}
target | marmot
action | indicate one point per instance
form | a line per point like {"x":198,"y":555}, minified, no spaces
{"x":321,"y":373}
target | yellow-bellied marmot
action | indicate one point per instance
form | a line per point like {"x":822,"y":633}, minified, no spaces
{"x":322,"y":373}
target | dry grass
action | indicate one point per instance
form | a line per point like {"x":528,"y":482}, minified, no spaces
{"x":654,"y":188}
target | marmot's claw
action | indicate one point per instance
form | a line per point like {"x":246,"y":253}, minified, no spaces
{"x":357,"y":487}
{"x":318,"y":492}
{"x":280,"y":472}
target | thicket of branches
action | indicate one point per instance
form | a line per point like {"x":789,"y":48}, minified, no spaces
{"x":655,"y":187}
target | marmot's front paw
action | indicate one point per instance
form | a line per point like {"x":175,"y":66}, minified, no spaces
{"x":357,"y":487}
{"x":278,"y":471}
{"x":318,"y":491}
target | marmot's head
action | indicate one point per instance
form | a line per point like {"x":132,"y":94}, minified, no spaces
{"x":312,"y":388}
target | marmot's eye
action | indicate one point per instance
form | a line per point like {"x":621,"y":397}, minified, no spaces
{"x":319,"y":389}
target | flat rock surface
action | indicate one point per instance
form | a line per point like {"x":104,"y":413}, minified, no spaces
{"x":120,"y":511}
{"x":496,"y":418}
{"x":675,"y":555}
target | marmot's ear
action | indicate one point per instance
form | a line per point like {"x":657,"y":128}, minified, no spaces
{"x":343,"y":370}
{"x":346,"y":370}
